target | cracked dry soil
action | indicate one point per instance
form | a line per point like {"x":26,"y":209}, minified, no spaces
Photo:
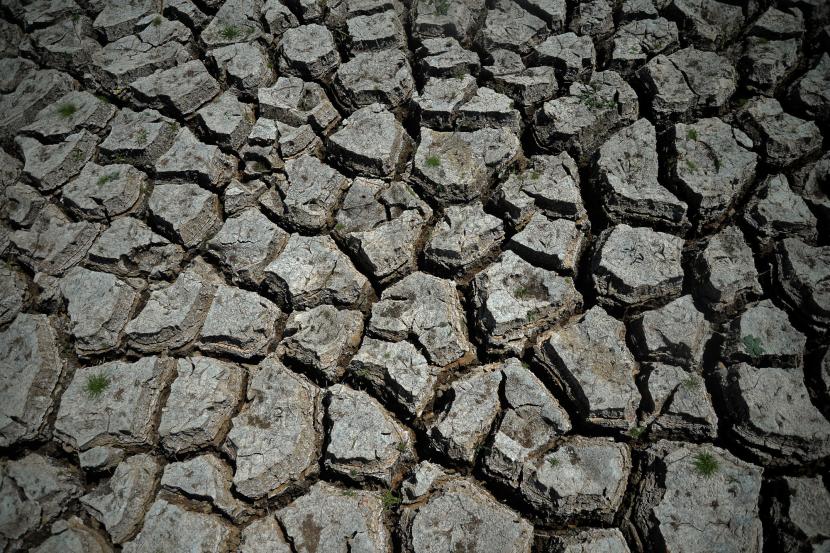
{"x":414,"y":276}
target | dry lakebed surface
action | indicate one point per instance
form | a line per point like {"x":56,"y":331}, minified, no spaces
{"x":415,"y":276}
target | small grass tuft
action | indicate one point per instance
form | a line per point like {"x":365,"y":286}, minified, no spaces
{"x":363,"y":373}
{"x":433,"y":161}
{"x":691,"y":165}
{"x":691,"y":383}
{"x":67,"y":110}
{"x":637,"y":432}
{"x":596,"y":102}
{"x":442,"y":7}
{"x":390,"y":500}
{"x":229,"y":32}
{"x":706,"y":464}
{"x":96,"y":384}
{"x":521,"y":292}
{"x":691,"y":134}
{"x":753,"y":345}
{"x":400,"y":446}
{"x":104,"y":179}
{"x":553,"y":462}
{"x":349,"y":493}
{"x":535,"y":175}
{"x":157,"y":20}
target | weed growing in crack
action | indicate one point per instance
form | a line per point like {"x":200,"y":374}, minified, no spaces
{"x":229,"y":32}
{"x":691,"y":134}
{"x":390,"y":500}
{"x":433,"y":161}
{"x":96,"y":384}
{"x":521,"y":292}
{"x":706,"y":464}
{"x":400,"y":446}
{"x":442,"y":7}
{"x":753,"y":345}
{"x":157,"y":20}
{"x":553,"y":462}
{"x":104,"y":179}
{"x":67,"y":110}
{"x":691,"y":383}
{"x":637,"y":432}
{"x":594,"y":101}
{"x":363,"y":373}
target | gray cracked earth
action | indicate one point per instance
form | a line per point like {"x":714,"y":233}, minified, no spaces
{"x":418,"y":276}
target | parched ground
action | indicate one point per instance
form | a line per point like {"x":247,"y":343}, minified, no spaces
{"x":431,"y":276}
